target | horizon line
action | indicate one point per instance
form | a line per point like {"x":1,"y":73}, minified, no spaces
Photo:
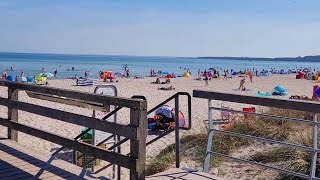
{"x":73,"y":54}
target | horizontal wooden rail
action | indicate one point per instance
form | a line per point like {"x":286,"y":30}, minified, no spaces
{"x":110,"y":156}
{"x":128,"y":131}
{"x":262,"y":101}
{"x":69,"y":101}
{"x":111,"y":100}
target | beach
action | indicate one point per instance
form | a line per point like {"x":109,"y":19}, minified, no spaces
{"x":128,"y":87}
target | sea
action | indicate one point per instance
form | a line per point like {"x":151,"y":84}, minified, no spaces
{"x":32,"y":64}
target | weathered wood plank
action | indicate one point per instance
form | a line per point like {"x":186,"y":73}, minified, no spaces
{"x":69,"y":101}
{"x":90,"y":97}
{"x":138,"y":147}
{"x":67,"y":169}
{"x":262,"y":101}
{"x":12,"y":113}
{"x":110,"y":156}
{"x":90,"y":122}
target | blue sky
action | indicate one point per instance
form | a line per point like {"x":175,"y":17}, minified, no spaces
{"x":255,"y":28}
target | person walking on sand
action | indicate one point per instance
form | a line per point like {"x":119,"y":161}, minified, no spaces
{"x":225,"y":75}
{"x":206,"y":78}
{"x":241,"y":87}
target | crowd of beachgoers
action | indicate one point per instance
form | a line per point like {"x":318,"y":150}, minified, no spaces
{"x":206,"y":75}
{"x":297,"y":84}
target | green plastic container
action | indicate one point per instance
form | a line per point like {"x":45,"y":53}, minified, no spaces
{"x":88,"y":136}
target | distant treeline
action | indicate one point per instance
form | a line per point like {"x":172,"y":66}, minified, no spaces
{"x":304,"y":59}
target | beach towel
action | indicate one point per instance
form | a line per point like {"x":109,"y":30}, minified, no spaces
{"x":263,"y":94}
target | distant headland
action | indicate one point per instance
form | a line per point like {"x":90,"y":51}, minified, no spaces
{"x":315,"y":58}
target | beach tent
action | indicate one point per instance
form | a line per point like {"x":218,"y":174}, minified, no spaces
{"x":42,"y":78}
{"x":10,"y":78}
{"x":265,"y":74}
{"x":31,"y":80}
{"x":281,"y":90}
{"x":169,"y":76}
{"x":300,"y":75}
{"x":186,"y":74}
{"x":23,"y":79}
{"x":168,"y":114}
{"x":47,"y":74}
{"x":108,"y":75}
{"x":166,"y":72}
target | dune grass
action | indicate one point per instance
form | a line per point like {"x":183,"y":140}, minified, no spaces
{"x":193,"y":147}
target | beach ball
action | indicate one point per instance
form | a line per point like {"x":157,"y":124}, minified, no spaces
{"x":10,"y":78}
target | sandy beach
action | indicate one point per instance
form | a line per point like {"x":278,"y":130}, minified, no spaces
{"x":130,"y":87}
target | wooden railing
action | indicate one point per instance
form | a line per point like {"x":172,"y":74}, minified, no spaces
{"x":136,"y":131}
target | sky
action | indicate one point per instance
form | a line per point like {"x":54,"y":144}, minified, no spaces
{"x":253,"y":28}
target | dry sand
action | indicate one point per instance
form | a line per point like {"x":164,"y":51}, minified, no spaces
{"x":130,"y":87}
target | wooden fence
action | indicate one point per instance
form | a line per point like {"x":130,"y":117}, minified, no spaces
{"x":136,"y":131}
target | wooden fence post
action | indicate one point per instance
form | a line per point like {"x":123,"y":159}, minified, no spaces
{"x":138,"y":118}
{"x":12,"y":113}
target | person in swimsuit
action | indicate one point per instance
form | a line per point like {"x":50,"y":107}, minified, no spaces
{"x":206,"y":78}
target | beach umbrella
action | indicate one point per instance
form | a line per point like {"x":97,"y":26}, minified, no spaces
{"x":47,"y":74}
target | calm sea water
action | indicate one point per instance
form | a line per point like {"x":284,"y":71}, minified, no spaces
{"x":31,"y":64}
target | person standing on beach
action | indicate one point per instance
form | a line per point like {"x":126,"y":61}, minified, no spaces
{"x":42,"y":70}
{"x":55,"y":73}
{"x":22,"y":73}
{"x":206,"y":78}
{"x":128,"y":72}
{"x":241,"y":87}
{"x":225,"y":75}
{"x":251,"y":76}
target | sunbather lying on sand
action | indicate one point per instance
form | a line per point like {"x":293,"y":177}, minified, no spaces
{"x":167,"y":89}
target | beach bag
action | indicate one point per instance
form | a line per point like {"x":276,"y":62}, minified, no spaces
{"x":249,"y":116}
